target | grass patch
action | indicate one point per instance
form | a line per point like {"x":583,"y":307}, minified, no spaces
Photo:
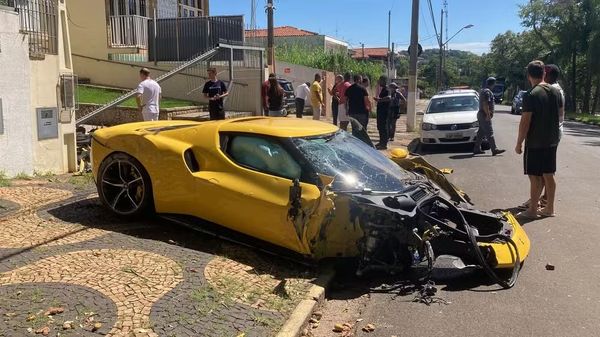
{"x":43,"y":174}
{"x":23,"y":176}
{"x":92,"y":95}
{"x":82,"y":181}
{"x":4,"y":180}
{"x":584,"y":118}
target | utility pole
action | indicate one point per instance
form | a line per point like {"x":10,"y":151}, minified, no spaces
{"x":389,"y":41}
{"x":363,"y":50}
{"x":440,"y":66}
{"x":270,"y":37}
{"x":411,"y":120}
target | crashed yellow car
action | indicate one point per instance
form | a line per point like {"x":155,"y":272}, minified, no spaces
{"x":306,"y":186}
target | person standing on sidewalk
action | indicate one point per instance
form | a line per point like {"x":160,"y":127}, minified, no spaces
{"x":147,"y":97}
{"x":383,"y":110}
{"x":335,"y":97}
{"x":539,"y":129}
{"x":316,"y":98}
{"x":359,"y":105}
{"x":397,"y":100}
{"x":343,"y":106}
{"x":275,"y":97}
{"x":215,"y":90}
{"x":484,"y":117}
{"x":302,"y":94}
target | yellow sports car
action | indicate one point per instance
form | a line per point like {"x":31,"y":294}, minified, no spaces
{"x":303,"y":185}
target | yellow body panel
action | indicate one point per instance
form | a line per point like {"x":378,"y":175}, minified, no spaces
{"x":245,"y":200}
{"x":505,"y":255}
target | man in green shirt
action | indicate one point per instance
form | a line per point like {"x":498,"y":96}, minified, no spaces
{"x":539,"y":129}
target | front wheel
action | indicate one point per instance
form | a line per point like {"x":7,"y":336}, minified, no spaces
{"x":124,"y":185}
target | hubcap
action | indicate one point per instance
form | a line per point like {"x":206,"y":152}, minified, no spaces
{"x":123,"y":187}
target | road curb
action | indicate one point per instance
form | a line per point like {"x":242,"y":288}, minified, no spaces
{"x":304,"y":310}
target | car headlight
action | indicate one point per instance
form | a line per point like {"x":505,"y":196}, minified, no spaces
{"x":475,"y":124}
{"x":428,"y":126}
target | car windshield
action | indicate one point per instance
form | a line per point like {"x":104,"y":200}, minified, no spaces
{"x":353,"y":164}
{"x":287,"y":86}
{"x":453,"y":104}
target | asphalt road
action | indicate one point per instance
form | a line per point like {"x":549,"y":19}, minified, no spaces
{"x":562,"y":302}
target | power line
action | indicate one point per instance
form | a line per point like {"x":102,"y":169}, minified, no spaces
{"x":433,"y":20}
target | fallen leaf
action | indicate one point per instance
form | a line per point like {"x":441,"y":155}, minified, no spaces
{"x":30,"y":318}
{"x":68,"y":325}
{"x":318,"y":314}
{"x":96,"y":326}
{"x":10,"y":314}
{"x":44,"y":331}
{"x":315,"y":325}
{"x":54,"y":311}
{"x":243,"y":334}
{"x":313,"y":320}
{"x":338,"y":328}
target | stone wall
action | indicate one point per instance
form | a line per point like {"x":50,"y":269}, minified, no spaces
{"x":121,"y":115}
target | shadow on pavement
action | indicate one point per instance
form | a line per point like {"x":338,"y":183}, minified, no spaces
{"x":92,"y":214}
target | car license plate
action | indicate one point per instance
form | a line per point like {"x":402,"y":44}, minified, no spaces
{"x":454,"y":135}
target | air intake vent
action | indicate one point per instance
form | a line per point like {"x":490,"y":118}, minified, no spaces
{"x":418,"y":194}
{"x":190,"y":161}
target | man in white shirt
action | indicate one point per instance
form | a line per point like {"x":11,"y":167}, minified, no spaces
{"x":148,"y":96}
{"x":302,"y":93}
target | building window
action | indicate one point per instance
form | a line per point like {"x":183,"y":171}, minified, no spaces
{"x":127,"y":7}
{"x":190,"y":8}
{"x":39,"y":19}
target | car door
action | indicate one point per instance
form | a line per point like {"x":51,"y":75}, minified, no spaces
{"x":252,"y":194}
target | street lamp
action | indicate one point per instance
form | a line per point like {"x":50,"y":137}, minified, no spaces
{"x":442,"y":66}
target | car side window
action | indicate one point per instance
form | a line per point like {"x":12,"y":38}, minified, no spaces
{"x":263,"y":155}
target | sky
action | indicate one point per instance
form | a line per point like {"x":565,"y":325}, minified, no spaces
{"x":366,"y":21}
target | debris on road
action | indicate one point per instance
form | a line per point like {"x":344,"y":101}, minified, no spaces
{"x":43,"y":331}
{"x":68,"y":325}
{"x":96,"y":326}
{"x":369,"y":328}
{"x":54,"y":311}
{"x":549,"y":266}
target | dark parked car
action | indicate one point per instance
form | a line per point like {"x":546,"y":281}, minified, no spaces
{"x":517,"y":105}
{"x":289,"y":97}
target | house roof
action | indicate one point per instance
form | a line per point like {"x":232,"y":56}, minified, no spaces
{"x":369,"y":52}
{"x":284,"y":31}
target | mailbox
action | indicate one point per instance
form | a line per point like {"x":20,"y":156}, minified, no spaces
{"x":47,"y":123}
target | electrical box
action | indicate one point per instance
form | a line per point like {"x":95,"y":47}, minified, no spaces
{"x":47,"y":123}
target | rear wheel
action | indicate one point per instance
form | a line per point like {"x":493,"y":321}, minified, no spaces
{"x":124,"y":185}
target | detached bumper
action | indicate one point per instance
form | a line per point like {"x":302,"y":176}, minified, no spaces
{"x":504,"y":252}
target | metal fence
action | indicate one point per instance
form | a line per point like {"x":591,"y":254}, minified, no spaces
{"x":39,"y":20}
{"x":128,"y":31}
{"x":179,"y":39}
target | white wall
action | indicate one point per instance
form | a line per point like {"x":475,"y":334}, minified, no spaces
{"x":16,"y":148}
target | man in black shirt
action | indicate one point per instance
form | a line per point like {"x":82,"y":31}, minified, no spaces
{"x":215,"y":90}
{"x":383,"y":110}
{"x":358,"y":102}
{"x":539,"y":129}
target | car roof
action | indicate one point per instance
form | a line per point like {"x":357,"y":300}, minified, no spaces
{"x":278,"y":126}
{"x":456,"y":94}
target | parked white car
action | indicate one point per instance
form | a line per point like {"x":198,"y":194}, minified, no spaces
{"x":451,"y":118}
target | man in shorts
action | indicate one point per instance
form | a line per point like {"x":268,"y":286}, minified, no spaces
{"x":539,"y":129}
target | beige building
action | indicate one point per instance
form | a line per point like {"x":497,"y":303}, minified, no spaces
{"x":37,"y":88}
{"x":118,"y":29}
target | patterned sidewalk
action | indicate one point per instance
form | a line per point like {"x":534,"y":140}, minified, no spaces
{"x":59,"y":248}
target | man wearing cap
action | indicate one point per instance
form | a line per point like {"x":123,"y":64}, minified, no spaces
{"x":484,"y":117}
{"x":148,"y":96}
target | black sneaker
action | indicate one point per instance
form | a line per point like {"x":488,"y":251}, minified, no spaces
{"x":381,"y":147}
{"x":497,"y":152}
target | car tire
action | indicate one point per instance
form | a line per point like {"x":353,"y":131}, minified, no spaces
{"x":512,"y":111}
{"x":124,"y":186}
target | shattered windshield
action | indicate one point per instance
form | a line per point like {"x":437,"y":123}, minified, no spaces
{"x":353,"y":164}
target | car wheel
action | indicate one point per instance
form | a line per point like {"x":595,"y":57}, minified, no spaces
{"x":124,"y":186}
{"x":512,"y":111}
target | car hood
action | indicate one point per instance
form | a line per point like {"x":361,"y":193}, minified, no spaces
{"x":451,"y":117}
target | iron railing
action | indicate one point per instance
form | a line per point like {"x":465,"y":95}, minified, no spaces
{"x":39,"y":20}
{"x":128,"y":31}
{"x":180,"y":39}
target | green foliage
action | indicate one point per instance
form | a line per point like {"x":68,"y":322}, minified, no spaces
{"x":94,"y":95}
{"x":4,"y":180}
{"x":584,"y":118}
{"x":23,"y":176}
{"x":338,"y":63}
